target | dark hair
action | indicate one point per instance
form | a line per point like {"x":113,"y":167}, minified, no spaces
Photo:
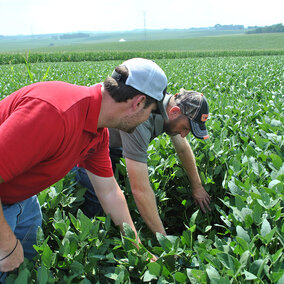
{"x":121,"y":92}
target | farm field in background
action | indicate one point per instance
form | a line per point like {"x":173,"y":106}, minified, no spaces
{"x":215,"y":42}
{"x":241,"y":166}
{"x":54,"y":41}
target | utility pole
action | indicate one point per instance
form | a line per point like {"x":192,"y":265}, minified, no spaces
{"x":144,"y":25}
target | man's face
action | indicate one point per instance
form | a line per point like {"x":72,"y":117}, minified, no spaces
{"x":179,"y":125}
{"x":131,"y":121}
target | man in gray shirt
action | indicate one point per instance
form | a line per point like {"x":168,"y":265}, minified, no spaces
{"x":180,"y":114}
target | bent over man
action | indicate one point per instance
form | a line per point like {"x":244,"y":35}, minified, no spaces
{"x":47,"y":128}
{"x":180,"y":114}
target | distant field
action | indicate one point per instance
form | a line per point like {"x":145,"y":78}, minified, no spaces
{"x":208,"y":43}
{"x":202,"y":46}
{"x":181,"y":41}
{"x":53,"y":42}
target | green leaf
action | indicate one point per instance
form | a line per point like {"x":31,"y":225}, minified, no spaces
{"x":23,"y":277}
{"x":228,"y":261}
{"x":39,"y":236}
{"x":180,"y":277}
{"x":244,"y":258}
{"x":199,"y":275}
{"x":61,"y":227}
{"x":154,"y":268}
{"x":250,"y":276}
{"x":85,"y":281}
{"x":164,"y":242}
{"x":234,"y":188}
{"x":268,"y":237}
{"x":256,"y":267}
{"x":265,"y":228}
{"x":77,"y":268}
{"x":275,"y":183}
{"x":128,"y":231}
{"x":193,"y":218}
{"x":257,"y":213}
{"x":276,"y":256}
{"x":46,"y":73}
{"x":212,"y":273}
{"x":243,"y":234}
{"x":243,"y":243}
{"x":276,"y":161}
{"x":43,"y":275}
{"x":47,"y":256}
{"x":187,"y":238}
{"x":278,"y":276}
{"x":148,"y":276}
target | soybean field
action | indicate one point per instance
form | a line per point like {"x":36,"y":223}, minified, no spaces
{"x":241,"y":166}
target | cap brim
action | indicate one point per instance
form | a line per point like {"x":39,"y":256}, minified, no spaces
{"x":162,"y":105}
{"x":197,"y":131}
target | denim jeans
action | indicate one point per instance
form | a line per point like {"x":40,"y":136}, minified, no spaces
{"x":24,"y":218}
{"x":92,"y":207}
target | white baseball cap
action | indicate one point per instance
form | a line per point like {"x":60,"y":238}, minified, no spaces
{"x":145,"y":76}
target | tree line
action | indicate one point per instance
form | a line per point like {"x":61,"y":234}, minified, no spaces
{"x":278,"y":28}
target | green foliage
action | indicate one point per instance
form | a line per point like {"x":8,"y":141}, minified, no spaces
{"x":279,"y":28}
{"x":241,"y":166}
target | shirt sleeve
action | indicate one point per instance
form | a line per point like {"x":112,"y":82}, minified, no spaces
{"x":135,"y":145}
{"x":98,"y":160}
{"x":29,"y":135}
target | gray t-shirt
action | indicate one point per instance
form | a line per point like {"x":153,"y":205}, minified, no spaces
{"x":135,"y":145}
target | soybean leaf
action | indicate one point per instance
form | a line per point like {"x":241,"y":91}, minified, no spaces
{"x":265,"y":228}
{"x":243,"y":234}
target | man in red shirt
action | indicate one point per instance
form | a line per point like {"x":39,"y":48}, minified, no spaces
{"x":46,"y":128}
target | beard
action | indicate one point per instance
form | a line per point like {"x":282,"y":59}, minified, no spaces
{"x":168,"y":128}
{"x":126,"y":127}
{"x":129,"y":123}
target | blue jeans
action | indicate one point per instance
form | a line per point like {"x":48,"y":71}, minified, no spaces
{"x":24,"y":218}
{"x":92,"y":207}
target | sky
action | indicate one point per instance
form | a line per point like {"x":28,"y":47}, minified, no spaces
{"x":29,"y":17}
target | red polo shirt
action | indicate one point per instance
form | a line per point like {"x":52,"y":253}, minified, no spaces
{"x":45,"y":129}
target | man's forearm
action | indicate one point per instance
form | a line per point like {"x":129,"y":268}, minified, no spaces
{"x":115,"y":205}
{"x":11,"y":251}
{"x":6,"y":234}
{"x":147,"y":206}
{"x":144,"y":195}
{"x":112,"y":200}
{"x":187,"y":159}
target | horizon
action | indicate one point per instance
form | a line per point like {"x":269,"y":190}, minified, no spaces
{"x":138,"y":29}
{"x":32,"y":17}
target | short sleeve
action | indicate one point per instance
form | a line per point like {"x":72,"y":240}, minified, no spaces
{"x":97,"y":159}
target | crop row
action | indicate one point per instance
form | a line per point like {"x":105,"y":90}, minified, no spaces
{"x":37,"y":57}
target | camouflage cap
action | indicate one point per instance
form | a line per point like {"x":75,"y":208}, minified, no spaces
{"x":194,"y":105}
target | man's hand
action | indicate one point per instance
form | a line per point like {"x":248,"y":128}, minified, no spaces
{"x":14,"y":260}
{"x":202,"y":198}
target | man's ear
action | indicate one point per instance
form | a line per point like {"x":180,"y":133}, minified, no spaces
{"x":174,"y":112}
{"x":138,"y":102}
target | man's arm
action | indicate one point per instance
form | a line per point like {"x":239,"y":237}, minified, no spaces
{"x":143,"y":195}
{"x":8,"y":243}
{"x":112,"y":200}
{"x":184,"y":151}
